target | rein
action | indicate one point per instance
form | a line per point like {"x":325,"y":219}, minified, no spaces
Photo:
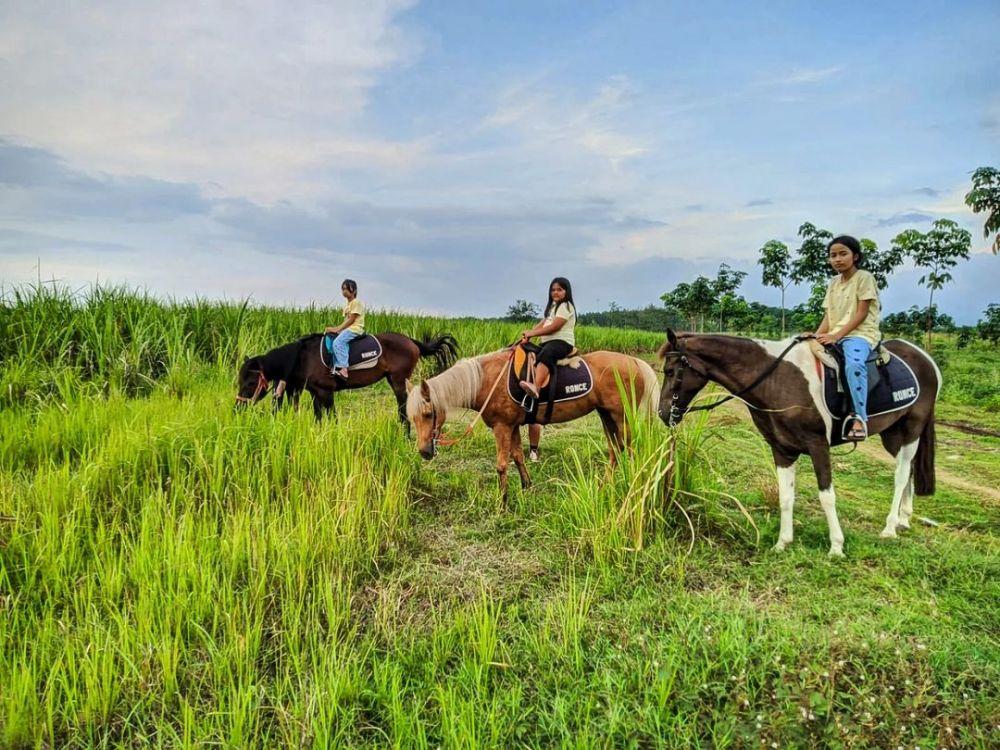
{"x":685,"y":364}
{"x":437,"y":434}
{"x":262,"y":385}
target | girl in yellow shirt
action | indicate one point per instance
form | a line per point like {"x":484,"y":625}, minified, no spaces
{"x":852,"y":320}
{"x":352,"y":327}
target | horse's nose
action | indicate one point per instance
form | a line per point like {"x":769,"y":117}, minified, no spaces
{"x":427,"y":453}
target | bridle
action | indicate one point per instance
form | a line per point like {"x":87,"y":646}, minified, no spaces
{"x":676,"y":412}
{"x":262,"y":386}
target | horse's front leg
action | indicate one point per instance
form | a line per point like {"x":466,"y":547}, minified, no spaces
{"x":501,"y":432}
{"x":785,"y":466}
{"x":517,"y":452}
{"x":820,"y":455}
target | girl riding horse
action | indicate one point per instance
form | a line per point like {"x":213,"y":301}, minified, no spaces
{"x":352,"y":328}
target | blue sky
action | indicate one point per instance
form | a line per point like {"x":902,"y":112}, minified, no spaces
{"x":455,"y":156}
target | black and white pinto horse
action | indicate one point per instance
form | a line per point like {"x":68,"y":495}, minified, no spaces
{"x":782,"y":385}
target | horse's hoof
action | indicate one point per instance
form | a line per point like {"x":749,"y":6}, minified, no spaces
{"x":888,"y":532}
{"x":835,"y":552}
{"x":903,"y":526}
{"x":780,"y":546}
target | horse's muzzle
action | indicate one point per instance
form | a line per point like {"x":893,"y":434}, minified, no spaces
{"x":427,"y":453}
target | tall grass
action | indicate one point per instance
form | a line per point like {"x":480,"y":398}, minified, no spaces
{"x":55,"y":344}
{"x":176,"y":567}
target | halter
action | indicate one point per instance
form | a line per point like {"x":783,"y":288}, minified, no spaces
{"x":676,"y":413}
{"x":262,"y":385}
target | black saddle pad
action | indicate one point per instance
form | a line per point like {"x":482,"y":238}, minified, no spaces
{"x":571,"y":382}
{"x":363,"y":352}
{"x":895,"y":389}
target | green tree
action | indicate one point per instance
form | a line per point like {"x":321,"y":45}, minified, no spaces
{"x":937,"y":251}
{"x":811,"y":263}
{"x":881,"y":263}
{"x":989,"y":326}
{"x":985,"y":197}
{"x":776,"y":261}
{"x":692,"y":300}
{"x":727,"y":281}
{"x":523,"y":310}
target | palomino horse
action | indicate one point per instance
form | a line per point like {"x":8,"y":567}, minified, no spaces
{"x":473,"y":384}
{"x":300,"y":366}
{"x":779,"y":381}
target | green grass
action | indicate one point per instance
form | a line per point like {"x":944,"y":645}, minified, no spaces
{"x":173,"y":573}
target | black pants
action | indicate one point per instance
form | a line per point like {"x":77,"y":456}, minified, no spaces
{"x":551,"y":352}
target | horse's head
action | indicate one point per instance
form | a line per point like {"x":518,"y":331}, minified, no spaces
{"x":252,"y":383}
{"x":426,"y":418}
{"x":681,"y":380}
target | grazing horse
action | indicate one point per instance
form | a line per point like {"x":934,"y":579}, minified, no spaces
{"x":780,"y":382}
{"x":300,"y":366}
{"x":472,"y":383}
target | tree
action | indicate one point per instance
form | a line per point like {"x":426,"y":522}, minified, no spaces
{"x":523,"y":310}
{"x":985,"y":197}
{"x":727,"y":281}
{"x":938,"y":250}
{"x":811,"y":262}
{"x":692,"y":300}
{"x":881,"y":263}
{"x":776,"y":270}
{"x":989,"y":326}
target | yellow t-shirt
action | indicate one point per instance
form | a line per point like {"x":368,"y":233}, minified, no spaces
{"x":356,"y":306}
{"x":841,"y":302}
{"x":567,"y":333}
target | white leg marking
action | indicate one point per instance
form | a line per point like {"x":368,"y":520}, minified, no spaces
{"x":906,"y":508}
{"x":828,"y":499}
{"x":786,"y":499}
{"x":904,"y":466}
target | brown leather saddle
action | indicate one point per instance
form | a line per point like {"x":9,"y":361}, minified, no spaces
{"x":571,"y":379}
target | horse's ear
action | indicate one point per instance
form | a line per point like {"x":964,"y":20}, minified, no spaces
{"x":425,"y":391}
{"x":672,"y":337}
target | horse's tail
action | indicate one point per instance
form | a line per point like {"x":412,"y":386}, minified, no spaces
{"x":923,"y":463}
{"x":650,"y":387}
{"x":443,"y":348}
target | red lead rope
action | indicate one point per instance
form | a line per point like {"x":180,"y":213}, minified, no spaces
{"x":262,"y":384}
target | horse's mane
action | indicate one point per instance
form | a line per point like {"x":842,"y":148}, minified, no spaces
{"x":455,"y":387}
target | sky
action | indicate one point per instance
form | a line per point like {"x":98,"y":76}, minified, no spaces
{"x":454,"y":156}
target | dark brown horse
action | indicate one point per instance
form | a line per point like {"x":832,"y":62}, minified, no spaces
{"x":288,"y":370}
{"x":786,"y":402}
{"x":473,"y":384}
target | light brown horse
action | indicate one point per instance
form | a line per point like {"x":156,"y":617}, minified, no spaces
{"x":477,"y":383}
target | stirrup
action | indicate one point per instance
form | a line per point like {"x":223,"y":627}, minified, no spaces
{"x":849,"y":434}
{"x":531,"y":389}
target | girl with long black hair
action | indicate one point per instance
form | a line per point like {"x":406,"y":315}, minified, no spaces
{"x":556,"y":332}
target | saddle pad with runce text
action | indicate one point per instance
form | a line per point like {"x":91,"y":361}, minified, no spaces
{"x":571,"y":382}
{"x":896,"y":389}
{"x":363,"y":352}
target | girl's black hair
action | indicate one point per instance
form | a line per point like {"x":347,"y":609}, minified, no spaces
{"x":351,"y":284}
{"x":564,"y":283}
{"x":851,"y":244}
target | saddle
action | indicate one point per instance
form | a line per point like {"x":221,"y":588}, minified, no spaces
{"x":363,"y":352}
{"x":571,"y":379}
{"x":892,"y":385}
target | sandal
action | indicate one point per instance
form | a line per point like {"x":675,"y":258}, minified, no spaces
{"x":858,"y":431}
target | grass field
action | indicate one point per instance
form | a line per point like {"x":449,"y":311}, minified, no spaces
{"x":175,"y":574}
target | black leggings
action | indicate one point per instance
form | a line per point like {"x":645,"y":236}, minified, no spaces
{"x":551,"y":352}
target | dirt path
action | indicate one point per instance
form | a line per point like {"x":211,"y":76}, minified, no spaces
{"x":873,"y":449}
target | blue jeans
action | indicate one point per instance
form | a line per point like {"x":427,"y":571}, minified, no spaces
{"x":856,"y":353}
{"x":341,"y":347}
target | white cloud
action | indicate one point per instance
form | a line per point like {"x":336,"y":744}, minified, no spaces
{"x":801,"y":76}
{"x":245,"y":96}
